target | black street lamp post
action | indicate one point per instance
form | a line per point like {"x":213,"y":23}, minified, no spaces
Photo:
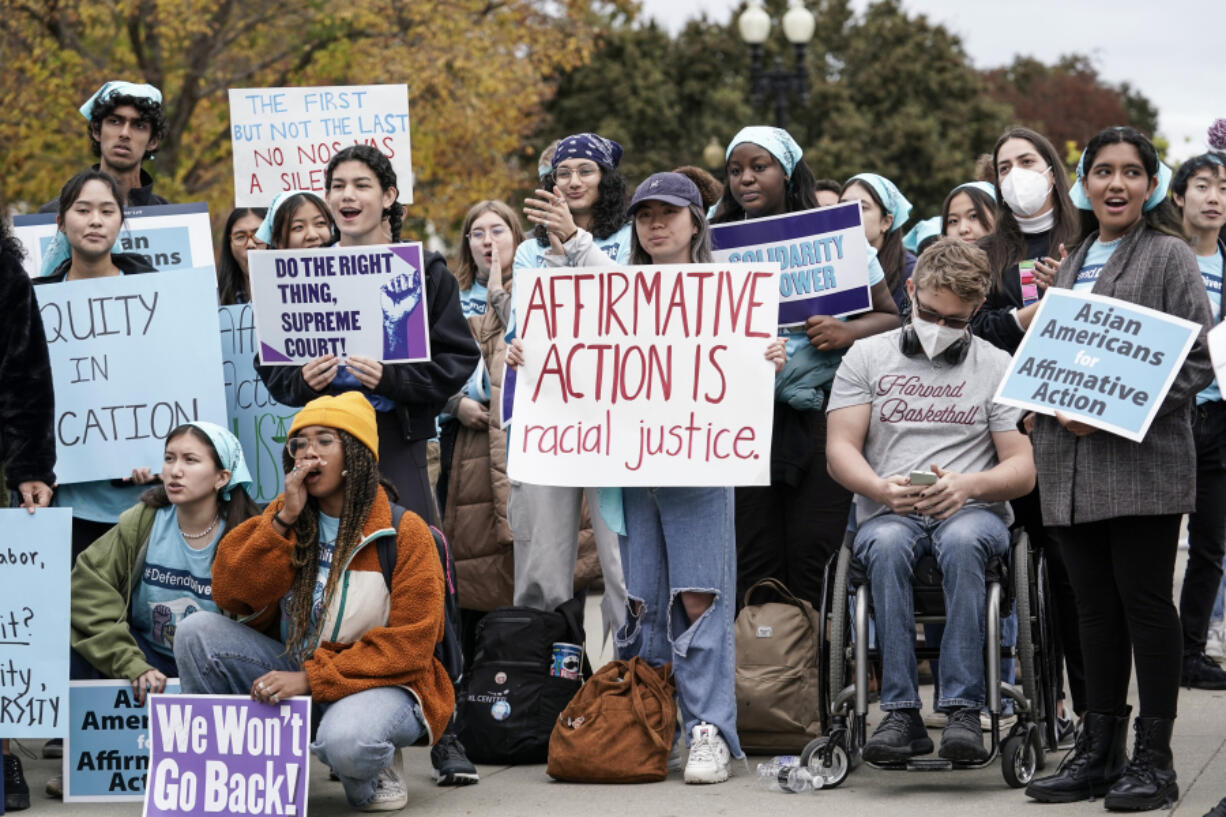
{"x":798,"y":24}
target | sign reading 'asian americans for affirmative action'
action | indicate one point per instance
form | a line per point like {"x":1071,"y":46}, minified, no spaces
{"x":1106,"y":362}
{"x":646,"y":376}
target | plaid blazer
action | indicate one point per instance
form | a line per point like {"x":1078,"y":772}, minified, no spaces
{"x":1102,"y":475}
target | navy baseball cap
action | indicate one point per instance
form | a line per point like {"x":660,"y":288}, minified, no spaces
{"x":671,"y":188}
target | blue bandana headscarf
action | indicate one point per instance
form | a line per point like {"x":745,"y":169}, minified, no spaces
{"x":921,"y":232}
{"x":121,"y":88}
{"x":1082,"y":201}
{"x":984,"y":187}
{"x":230,"y":452}
{"x":776,"y":141}
{"x":602,"y":151}
{"x":895,"y":202}
{"x":264,"y":233}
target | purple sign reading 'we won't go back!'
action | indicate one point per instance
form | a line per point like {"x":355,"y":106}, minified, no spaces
{"x":227,"y":754}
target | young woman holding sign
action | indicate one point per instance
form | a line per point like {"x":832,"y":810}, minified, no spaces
{"x":238,"y":236}
{"x":1114,"y":506}
{"x":406,"y":396}
{"x":789,"y":529}
{"x":89,"y":218}
{"x":884,"y":210}
{"x":134,"y":587}
{"x":360,"y":643}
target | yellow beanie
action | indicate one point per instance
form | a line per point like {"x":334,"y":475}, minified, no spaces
{"x":349,"y":411}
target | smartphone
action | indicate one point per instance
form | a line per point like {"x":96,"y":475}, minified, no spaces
{"x":923,"y":478}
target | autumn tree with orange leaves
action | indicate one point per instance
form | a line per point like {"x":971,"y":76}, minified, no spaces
{"x":477,"y":71}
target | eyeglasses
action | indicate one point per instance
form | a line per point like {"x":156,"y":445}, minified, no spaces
{"x":297,"y":446}
{"x":952,"y":321}
{"x":563,"y":174}
{"x":240,"y":237}
{"x":495,"y":233}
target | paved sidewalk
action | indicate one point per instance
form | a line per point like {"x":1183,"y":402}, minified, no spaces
{"x":526,"y":791}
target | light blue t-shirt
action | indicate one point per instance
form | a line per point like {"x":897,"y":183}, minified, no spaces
{"x":329,"y":527}
{"x":1211,"y":267}
{"x":176,"y":580}
{"x":797,"y":337}
{"x":98,"y":501}
{"x":1096,"y":258}
{"x":473,"y":300}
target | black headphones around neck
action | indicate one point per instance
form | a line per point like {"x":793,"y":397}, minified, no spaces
{"x":953,"y":354}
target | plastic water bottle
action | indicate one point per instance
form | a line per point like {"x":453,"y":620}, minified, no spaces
{"x":784,"y":773}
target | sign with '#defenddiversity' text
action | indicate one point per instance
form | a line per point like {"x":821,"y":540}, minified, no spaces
{"x":1106,"y":362}
{"x":821,"y":254}
{"x":368,"y":301}
{"x":227,"y":754}
{"x":647,"y":376}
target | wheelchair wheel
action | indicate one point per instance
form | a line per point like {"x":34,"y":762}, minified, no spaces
{"x":839,"y":626}
{"x":1025,"y":631}
{"x":827,"y":761}
{"x":1049,"y":655}
{"x":1019,"y":757}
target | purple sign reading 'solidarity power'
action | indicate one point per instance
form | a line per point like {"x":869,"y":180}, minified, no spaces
{"x":227,"y":754}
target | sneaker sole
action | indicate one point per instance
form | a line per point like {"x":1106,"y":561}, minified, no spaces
{"x":454,"y":778}
{"x":893,"y":754}
{"x":719,"y":777}
{"x":963,"y":753}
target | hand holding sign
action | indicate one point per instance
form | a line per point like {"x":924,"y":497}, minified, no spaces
{"x":321,"y":371}
{"x":827,"y":333}
{"x":34,"y":494}
{"x":148,"y":681}
{"x":368,"y":371}
{"x":279,"y":685}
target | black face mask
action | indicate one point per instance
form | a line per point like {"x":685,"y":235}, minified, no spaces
{"x":953,"y":354}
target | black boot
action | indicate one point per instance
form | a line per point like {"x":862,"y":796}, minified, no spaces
{"x":1097,"y":761}
{"x":1149,"y":781}
{"x":16,"y":790}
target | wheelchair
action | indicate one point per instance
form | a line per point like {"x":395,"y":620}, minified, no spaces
{"x":1021,"y":576}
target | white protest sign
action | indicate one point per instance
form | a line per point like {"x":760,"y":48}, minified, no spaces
{"x":169,"y":236}
{"x":34,"y":571}
{"x":284,"y":137}
{"x":132,"y":357}
{"x":368,"y":301}
{"x":647,"y":376}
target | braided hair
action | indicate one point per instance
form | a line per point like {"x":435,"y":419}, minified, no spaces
{"x":361,"y":487}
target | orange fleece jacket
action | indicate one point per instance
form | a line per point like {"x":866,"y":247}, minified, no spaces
{"x":252,"y":573}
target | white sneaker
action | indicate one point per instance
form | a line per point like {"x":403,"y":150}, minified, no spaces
{"x":935,"y":719}
{"x":390,"y":791}
{"x":710,"y":760}
{"x":1007,"y":719}
{"x":1215,"y":646}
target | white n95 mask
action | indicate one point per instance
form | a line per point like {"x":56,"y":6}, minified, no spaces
{"x":935,"y":337}
{"x":1025,"y":191}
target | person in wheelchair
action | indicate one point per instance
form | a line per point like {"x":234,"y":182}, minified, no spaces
{"x":919,"y":399}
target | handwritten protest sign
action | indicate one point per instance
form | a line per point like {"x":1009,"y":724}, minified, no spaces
{"x":227,"y":754}
{"x":132,"y":357}
{"x":343,"y":301}
{"x":822,"y":256}
{"x":170,"y":236}
{"x":259,"y":421}
{"x":644,"y":377}
{"x":1106,"y":362}
{"x":106,"y":752}
{"x":34,"y":574}
{"x":284,"y":137}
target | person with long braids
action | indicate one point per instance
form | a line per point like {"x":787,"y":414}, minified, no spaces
{"x":1115,"y":506}
{"x":362,"y":189}
{"x":364,"y":655}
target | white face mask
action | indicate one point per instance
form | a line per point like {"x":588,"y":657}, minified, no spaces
{"x":1025,"y":191}
{"x":935,"y":337}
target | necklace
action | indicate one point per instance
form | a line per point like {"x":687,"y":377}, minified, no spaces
{"x":202,"y":533}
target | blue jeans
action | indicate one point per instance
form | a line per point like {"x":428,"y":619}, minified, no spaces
{"x":1008,"y":667}
{"x":678,"y":540}
{"x":357,"y":735}
{"x":888,"y":546}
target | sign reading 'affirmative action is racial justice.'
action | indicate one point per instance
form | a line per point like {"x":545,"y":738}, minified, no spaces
{"x":132,"y":357}
{"x":368,"y":301}
{"x":821,"y":254}
{"x":284,"y":137}
{"x":1106,"y":362}
{"x":646,"y":376}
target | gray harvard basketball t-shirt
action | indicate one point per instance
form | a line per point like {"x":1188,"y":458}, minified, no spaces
{"x":925,"y":411}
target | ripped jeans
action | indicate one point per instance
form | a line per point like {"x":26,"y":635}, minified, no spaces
{"x":677,"y":540}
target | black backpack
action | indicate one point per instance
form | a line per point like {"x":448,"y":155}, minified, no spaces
{"x":512,"y":700}
{"x":448,"y":651}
